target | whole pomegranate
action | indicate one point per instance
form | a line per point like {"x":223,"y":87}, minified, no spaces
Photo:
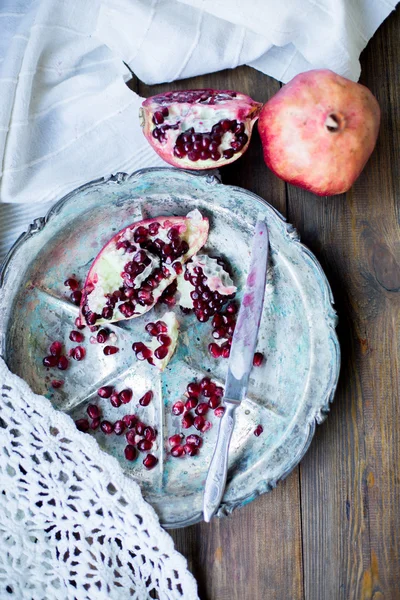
{"x":199,"y":129}
{"x":319,"y":130}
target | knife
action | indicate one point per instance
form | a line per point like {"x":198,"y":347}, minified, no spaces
{"x":239,"y":367}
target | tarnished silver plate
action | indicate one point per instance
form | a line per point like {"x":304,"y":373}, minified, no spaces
{"x":287,"y":395}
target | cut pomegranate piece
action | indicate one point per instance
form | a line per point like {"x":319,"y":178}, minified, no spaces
{"x":122,"y":284}
{"x":199,"y":129}
{"x":258,"y":359}
{"x":178,"y":408}
{"x":175,"y":439}
{"x":164,"y":332}
{"x":130,"y":452}
{"x":205,"y":286}
{"x":258,"y":430}
{"x":93,"y":411}
{"x":82,"y":424}
{"x":56,"y":348}
{"x":177,"y":450}
{"x":146,"y":399}
{"x":150,"y":461}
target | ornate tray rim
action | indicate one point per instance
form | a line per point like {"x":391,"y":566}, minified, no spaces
{"x":330,"y":314}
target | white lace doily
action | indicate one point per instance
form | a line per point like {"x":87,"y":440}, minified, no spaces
{"x":72,"y":525}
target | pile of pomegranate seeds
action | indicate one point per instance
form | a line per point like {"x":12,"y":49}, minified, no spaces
{"x":202,"y":396}
{"x":56,"y":359}
{"x":206,"y":302}
{"x":159,"y":331}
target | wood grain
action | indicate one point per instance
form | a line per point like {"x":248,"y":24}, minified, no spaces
{"x":350,"y":477}
{"x":337,"y":517}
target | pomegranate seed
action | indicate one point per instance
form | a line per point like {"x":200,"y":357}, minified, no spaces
{"x":82,"y":425}
{"x":175,"y":439}
{"x":114,"y":400}
{"x":95,"y":423}
{"x":161,"y":352}
{"x":194,"y":440}
{"x":119,"y":427}
{"x":205,"y":382}
{"x":257,"y":359}
{"x":150,"y":461}
{"x":199,"y":422}
{"x":130,"y":420}
{"x":138,"y":347}
{"x":130,"y":436}
{"x":214,"y":401}
{"x":214,"y":350}
{"x":193,"y":389}
{"x":125,"y":396}
{"x":219,"y":391}
{"x":177,"y":266}
{"x":161,"y":327}
{"x":154,"y":227}
{"x":178,"y":408}
{"x":76,"y":336}
{"x":164,"y":340}
{"x":62,"y":363}
{"x":78,"y":353}
{"x":76,"y":297}
{"x":187,"y":420}
{"x":130,"y":452}
{"x":107,"y":312}
{"x":94,"y":328}
{"x":105,"y":392}
{"x":79,"y":324}
{"x":144,"y":354}
{"x":102,"y":336}
{"x":202,"y":408}
{"x":71,"y":283}
{"x":146,"y":399}
{"x":57,"y":383}
{"x":110,"y":350}
{"x":177,"y":450}
{"x":228,"y":153}
{"x":55,"y":348}
{"x":217,"y":321}
{"x":231,"y":308}
{"x":144,"y":445}
{"x":93,"y":411}
{"x":258,"y":430}
{"x":50,"y":361}
{"x":190,"y":449}
{"x":150,"y":434}
{"x":106,"y":427}
{"x":218,"y":412}
{"x":226,"y":351}
{"x":219,"y":334}
{"x":207,"y":425}
{"x":209,"y":389}
{"x":152,"y":329}
{"x":191,"y":402}
{"x":140,"y":427}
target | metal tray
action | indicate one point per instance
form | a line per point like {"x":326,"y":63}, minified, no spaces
{"x":287,"y":395}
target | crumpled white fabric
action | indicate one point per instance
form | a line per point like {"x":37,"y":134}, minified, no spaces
{"x":66,"y":116}
{"x":72,"y":525}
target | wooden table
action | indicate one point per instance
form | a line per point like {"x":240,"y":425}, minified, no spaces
{"x":331,"y":530}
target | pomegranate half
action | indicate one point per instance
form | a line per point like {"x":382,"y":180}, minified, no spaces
{"x":199,"y":129}
{"x":133,"y":269}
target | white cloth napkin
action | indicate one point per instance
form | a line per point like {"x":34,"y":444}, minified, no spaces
{"x":66,"y":115}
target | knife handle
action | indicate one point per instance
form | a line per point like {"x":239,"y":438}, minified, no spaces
{"x":218,"y":470}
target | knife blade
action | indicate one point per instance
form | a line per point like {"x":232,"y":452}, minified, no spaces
{"x":240,"y":364}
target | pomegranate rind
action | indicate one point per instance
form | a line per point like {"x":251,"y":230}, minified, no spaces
{"x":202,"y":116}
{"x":301,"y":150}
{"x":104,"y":276}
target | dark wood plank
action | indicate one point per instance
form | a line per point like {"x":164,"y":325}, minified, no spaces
{"x":350,"y":478}
{"x":255,"y":553}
